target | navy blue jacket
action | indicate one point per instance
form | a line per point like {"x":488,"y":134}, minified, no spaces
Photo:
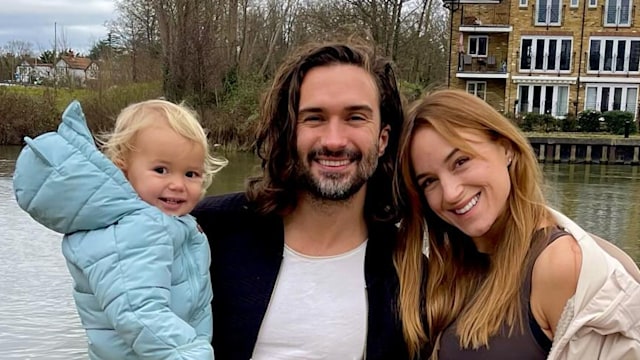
{"x":246,"y":254}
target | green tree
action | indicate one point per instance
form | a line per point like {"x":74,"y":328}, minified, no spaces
{"x":47,"y":57}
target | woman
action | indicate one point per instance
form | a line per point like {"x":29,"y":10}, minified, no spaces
{"x":505,"y":272}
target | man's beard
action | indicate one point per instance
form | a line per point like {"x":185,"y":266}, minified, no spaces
{"x":337,"y":186}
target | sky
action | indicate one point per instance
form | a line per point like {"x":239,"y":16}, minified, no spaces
{"x":79,"y":23}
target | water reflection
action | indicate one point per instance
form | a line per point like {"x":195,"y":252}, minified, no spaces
{"x":37,"y":315}
{"x":8,"y":154}
{"x":603,"y":199}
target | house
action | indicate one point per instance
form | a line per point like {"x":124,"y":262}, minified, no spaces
{"x":547,"y":56}
{"x":76,"y":68}
{"x":32,"y":70}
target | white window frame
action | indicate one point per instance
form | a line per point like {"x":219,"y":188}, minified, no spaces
{"x":523,"y":3}
{"x":547,"y":21}
{"x":618,"y":13}
{"x":543,"y":90}
{"x":614,"y":56}
{"x":477,"y":40}
{"x":593,"y":3}
{"x":545,"y":61}
{"x":624,"y":104}
{"x":574,"y":3}
{"x":472,"y":88}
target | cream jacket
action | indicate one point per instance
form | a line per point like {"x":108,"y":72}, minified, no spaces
{"x":602,"y":319}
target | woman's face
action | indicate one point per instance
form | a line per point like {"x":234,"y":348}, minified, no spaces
{"x":467,"y":191}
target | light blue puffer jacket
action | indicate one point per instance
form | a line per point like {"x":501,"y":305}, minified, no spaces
{"x":141,"y":277}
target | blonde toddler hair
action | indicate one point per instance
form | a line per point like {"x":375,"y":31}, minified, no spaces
{"x":184,"y":121}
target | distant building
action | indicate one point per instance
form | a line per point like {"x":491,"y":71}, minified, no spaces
{"x":32,"y":71}
{"x":75,"y":68}
{"x":547,"y":56}
{"x":72,"y":68}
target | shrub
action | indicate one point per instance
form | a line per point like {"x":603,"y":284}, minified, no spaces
{"x":589,"y":121}
{"x":33,"y":111}
{"x":616,"y":120}
{"x":539,"y":122}
{"x":569,"y":123}
{"x":22,"y":114}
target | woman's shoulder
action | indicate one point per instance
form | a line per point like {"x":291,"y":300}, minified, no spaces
{"x":558,"y":265}
{"x":554,"y":280}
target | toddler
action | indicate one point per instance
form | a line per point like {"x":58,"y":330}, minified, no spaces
{"x":139,"y":262}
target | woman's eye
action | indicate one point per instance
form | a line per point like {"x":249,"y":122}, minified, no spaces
{"x":426,"y":183}
{"x":461,"y":161}
{"x":160,"y":170}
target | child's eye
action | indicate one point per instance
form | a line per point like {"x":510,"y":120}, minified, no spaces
{"x":192,"y":174}
{"x":160,"y":170}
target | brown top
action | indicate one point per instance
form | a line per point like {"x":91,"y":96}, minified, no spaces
{"x":531,"y":343}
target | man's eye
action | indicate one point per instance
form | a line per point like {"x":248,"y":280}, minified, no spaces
{"x":357,"y":117}
{"x":311,"y":118}
{"x":160,"y":170}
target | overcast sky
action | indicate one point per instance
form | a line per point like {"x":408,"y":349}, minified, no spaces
{"x":80,"y":23}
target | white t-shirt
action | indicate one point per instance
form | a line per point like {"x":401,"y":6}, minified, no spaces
{"x":318,"y":309}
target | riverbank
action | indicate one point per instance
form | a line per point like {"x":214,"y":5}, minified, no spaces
{"x":585,"y":148}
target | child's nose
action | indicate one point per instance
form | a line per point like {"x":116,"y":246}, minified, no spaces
{"x":176,"y":183}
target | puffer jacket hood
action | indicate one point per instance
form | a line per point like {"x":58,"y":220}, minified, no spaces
{"x":46,"y":188}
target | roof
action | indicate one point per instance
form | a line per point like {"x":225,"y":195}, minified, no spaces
{"x":36,"y":62}
{"x":74,"y":62}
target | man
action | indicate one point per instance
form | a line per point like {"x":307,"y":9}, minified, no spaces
{"x":302,"y":261}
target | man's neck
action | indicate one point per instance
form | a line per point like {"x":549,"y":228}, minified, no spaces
{"x":325,"y":228}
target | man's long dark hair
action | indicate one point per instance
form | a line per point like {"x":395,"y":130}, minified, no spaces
{"x":275,"y":190}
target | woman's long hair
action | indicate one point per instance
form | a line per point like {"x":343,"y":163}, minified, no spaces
{"x":479,"y":291}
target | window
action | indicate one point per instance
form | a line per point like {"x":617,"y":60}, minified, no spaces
{"x":617,"y":13}
{"x":574,"y":3}
{"x":523,"y":3}
{"x":477,"y":88}
{"x":548,"y":54}
{"x":548,"y":12}
{"x":543,"y":99}
{"x":611,"y":55}
{"x":478,"y":45}
{"x":593,"y":3}
{"x":609,"y":97}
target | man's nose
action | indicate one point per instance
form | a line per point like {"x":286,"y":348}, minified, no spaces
{"x":334,"y":136}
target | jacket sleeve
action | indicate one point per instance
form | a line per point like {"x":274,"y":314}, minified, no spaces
{"x":131,"y":279}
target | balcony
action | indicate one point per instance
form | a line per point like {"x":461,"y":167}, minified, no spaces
{"x":481,"y":67}
{"x":455,"y":4}
{"x":496,"y":21}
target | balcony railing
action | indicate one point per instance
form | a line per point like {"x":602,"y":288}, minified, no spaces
{"x":492,"y":63}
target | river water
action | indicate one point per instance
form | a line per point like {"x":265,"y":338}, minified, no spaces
{"x":37,"y":315}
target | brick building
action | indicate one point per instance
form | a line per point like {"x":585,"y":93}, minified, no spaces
{"x":547,"y":56}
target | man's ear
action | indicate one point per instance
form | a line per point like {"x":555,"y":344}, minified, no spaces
{"x":383,"y":139}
